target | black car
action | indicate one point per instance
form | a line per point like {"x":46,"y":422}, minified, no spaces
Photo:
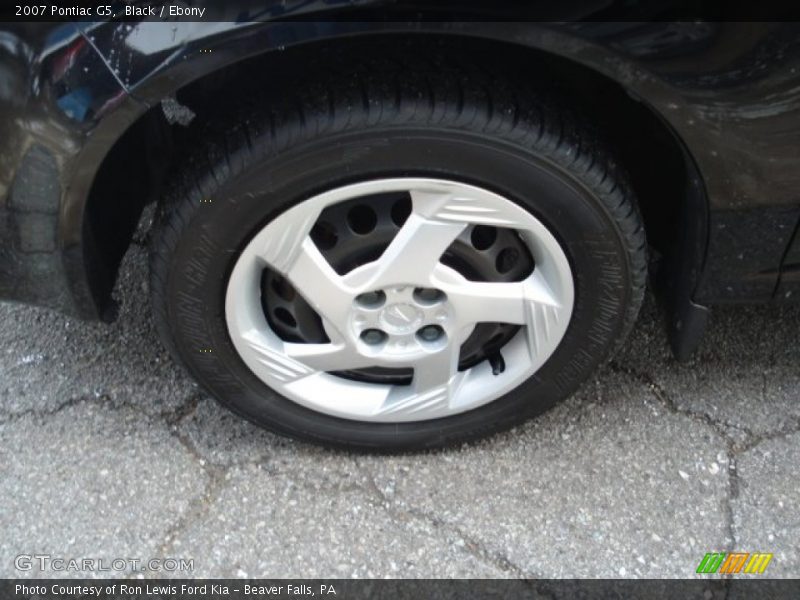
{"x":376,"y":229}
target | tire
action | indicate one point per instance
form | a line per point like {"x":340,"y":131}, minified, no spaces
{"x":394,"y":122}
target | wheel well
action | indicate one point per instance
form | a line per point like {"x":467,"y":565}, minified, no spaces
{"x":659,"y":166}
{"x":128,"y":179}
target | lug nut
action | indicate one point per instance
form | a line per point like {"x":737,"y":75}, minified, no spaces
{"x":430,"y":333}
{"x":428,"y":296}
{"x":373,"y":337}
{"x":371,"y":299}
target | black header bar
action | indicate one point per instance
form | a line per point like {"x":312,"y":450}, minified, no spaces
{"x":433,"y":10}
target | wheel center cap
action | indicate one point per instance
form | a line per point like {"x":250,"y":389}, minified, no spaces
{"x":400,"y":318}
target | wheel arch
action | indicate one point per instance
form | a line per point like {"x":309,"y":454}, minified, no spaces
{"x":625,"y":104}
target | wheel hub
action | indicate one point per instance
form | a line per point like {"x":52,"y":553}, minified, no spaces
{"x":400,"y":318}
{"x":400,"y":322}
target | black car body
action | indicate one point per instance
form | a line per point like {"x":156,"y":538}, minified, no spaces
{"x":707,"y":116}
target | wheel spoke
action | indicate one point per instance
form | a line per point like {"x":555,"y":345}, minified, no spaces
{"x":287,"y":247}
{"x":477,"y":301}
{"x":436,"y":380}
{"x":268,"y":360}
{"x":437,"y":370}
{"x":327,"y":357}
{"x":320,"y":285}
{"x":414,"y":252}
{"x":283,"y":239}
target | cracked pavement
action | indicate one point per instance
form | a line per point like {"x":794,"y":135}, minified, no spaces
{"x":107,"y":449}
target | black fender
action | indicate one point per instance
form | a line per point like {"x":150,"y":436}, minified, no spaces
{"x":706,"y":101}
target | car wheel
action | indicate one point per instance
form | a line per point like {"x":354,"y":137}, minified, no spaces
{"x":403,"y":263}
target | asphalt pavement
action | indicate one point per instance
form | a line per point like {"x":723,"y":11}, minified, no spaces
{"x":108,"y":450}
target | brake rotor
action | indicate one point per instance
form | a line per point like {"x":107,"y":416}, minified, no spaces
{"x":353,"y":233}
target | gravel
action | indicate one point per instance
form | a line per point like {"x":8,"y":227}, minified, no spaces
{"x":107,"y":449}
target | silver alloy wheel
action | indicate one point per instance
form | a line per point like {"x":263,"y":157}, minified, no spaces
{"x":373,"y":317}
